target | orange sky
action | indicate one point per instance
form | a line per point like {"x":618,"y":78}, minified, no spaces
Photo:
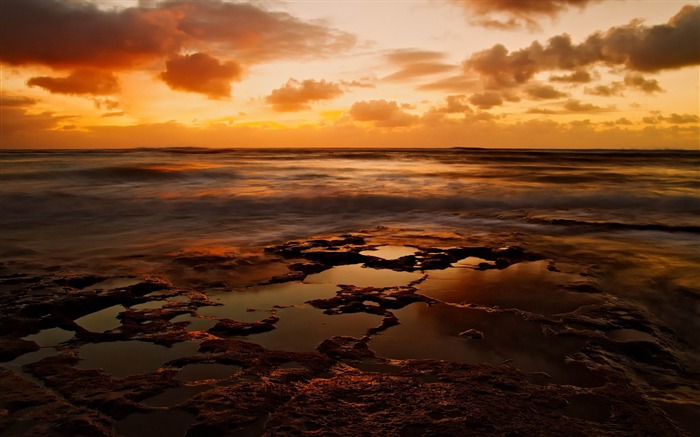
{"x":435,"y":73}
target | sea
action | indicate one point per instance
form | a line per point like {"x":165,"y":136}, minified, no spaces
{"x":629,"y":218}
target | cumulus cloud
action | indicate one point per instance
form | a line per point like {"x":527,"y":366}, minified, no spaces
{"x":383,"y":113}
{"x":634,"y":81}
{"x":455,"y":104}
{"x":80,"y":82}
{"x":542,"y":111}
{"x":672,"y":119}
{"x":543,"y":92}
{"x":579,"y":76}
{"x":578,"y":106}
{"x":635,"y":47}
{"x":296,"y":95}
{"x":612,"y":89}
{"x":201,"y":73}
{"x":516,"y":14}
{"x":486,"y":100}
{"x":78,"y":34}
{"x":646,"y":85}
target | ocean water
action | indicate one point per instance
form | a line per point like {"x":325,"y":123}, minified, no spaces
{"x":128,"y":200}
{"x":637,"y":212}
{"x":628,"y":219}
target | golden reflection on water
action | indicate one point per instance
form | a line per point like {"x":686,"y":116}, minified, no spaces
{"x":528,"y":286}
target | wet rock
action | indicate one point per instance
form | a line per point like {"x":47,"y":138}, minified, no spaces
{"x":346,"y":347}
{"x":287,"y":277}
{"x":582,"y":287}
{"x":80,"y":282}
{"x":27,"y":409}
{"x":228,"y":327}
{"x":388,"y":321}
{"x":308,"y":268}
{"x":472,"y":334}
{"x":12,"y":347}
{"x":335,"y":258}
{"x":439,"y":398}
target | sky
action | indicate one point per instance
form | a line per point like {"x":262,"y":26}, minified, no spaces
{"x":424,"y":73}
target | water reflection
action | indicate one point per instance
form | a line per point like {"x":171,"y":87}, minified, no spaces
{"x":50,"y":337}
{"x":433,"y":332}
{"x":390,"y":252}
{"x":236,"y":305}
{"x":103,"y":320}
{"x":528,"y":286}
{"x":356,"y":274}
{"x":304,"y":328}
{"x":133,"y":357}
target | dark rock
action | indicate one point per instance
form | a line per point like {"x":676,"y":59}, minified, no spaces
{"x":472,"y":334}
{"x":12,"y":347}
{"x":346,"y":347}
{"x":233,"y":327}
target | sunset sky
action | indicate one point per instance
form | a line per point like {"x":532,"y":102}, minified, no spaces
{"x":434,"y":73}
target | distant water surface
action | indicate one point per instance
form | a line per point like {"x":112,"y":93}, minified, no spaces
{"x":75,"y":202}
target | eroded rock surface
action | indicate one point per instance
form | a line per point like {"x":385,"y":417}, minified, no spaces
{"x":343,"y":387}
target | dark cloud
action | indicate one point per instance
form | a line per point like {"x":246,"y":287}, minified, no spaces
{"x":201,"y":73}
{"x":579,"y":76}
{"x":383,"y":113}
{"x":518,"y":13}
{"x":486,"y":100}
{"x":646,"y":85}
{"x":613,"y":89}
{"x":296,"y":95}
{"x":665,"y":46}
{"x":6,"y":100}
{"x":635,"y":46}
{"x":634,"y":81}
{"x":672,"y":119}
{"x":623,"y":122}
{"x":77,"y":34}
{"x":682,"y":118}
{"x":577,"y":106}
{"x":92,"y":82}
{"x":542,"y":111}
{"x":543,"y":92}
{"x":455,"y":104}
